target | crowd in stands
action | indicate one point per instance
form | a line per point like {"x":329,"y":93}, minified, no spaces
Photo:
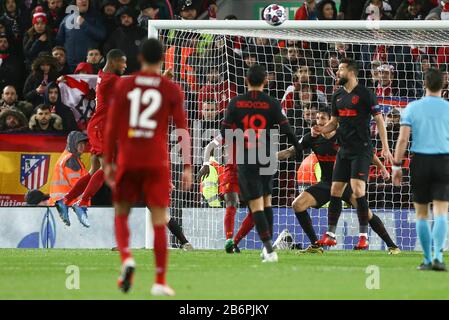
{"x":41,"y":41}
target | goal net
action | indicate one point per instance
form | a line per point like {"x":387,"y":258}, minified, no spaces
{"x":209,"y":60}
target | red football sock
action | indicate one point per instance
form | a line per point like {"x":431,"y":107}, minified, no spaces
{"x":245,"y":228}
{"x":93,"y":186}
{"x":122,"y":235}
{"x":160,"y":253}
{"x":77,"y":189}
{"x":229,"y":221}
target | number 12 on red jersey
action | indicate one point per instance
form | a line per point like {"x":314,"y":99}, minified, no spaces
{"x":140,"y":123}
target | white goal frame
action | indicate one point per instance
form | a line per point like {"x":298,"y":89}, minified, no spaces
{"x":154,"y":26}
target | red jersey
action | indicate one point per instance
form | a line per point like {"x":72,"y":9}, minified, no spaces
{"x":139,"y":118}
{"x":104,"y":92}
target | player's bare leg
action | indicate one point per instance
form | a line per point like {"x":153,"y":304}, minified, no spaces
{"x":358,"y":189}
{"x":125,"y":279}
{"x":378,"y":227}
{"x":231,"y":202}
{"x":159,"y":217}
{"x":333,"y":214}
{"x":263,"y":228}
{"x":300,"y":205}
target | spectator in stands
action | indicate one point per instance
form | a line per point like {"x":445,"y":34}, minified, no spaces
{"x":386,"y":86}
{"x":38,"y":38}
{"x":217,"y":87}
{"x":45,"y":121}
{"x":55,"y":13}
{"x":43,"y":70}
{"x":351,"y":9}
{"x":242,"y":67}
{"x":187,"y":10}
{"x":84,"y":68}
{"x":154,"y":9}
{"x":15,"y":21}
{"x":306,"y":11}
{"x":303,"y":109}
{"x":412,"y":10}
{"x":290,"y":61}
{"x":149,"y":10}
{"x":373,"y":80}
{"x":96,"y":59}
{"x":12,"y":121}
{"x":210,"y":113}
{"x":59,"y":54}
{"x":52,"y":98}
{"x":377,"y":10}
{"x":445,"y":91}
{"x":10,"y":67}
{"x":10,"y":101}
{"x":200,"y":6}
{"x":36,"y":197}
{"x":331,"y":60}
{"x":78,"y":36}
{"x":326,"y":10}
{"x":264,"y":49}
{"x":424,"y":63}
{"x":108,"y":10}
{"x":127,"y":37}
{"x":303,"y":79}
{"x":440,"y":12}
{"x":127,"y":3}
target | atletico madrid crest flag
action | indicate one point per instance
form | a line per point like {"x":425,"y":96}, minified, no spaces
{"x":34,"y":170}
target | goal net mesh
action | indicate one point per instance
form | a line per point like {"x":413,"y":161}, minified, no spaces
{"x":210,"y":65}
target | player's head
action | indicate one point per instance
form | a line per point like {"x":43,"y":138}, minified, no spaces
{"x":256,"y":76}
{"x":323,"y":116}
{"x":116,"y":59}
{"x":347,"y":70}
{"x":151,"y":53}
{"x":434,"y":80}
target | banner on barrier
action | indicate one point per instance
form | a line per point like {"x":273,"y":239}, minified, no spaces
{"x":27,"y":162}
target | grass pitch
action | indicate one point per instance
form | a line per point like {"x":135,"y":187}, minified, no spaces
{"x":41,"y":274}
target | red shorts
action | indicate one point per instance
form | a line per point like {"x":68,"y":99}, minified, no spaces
{"x":229,"y":182}
{"x":95,"y":134}
{"x":153,"y":185}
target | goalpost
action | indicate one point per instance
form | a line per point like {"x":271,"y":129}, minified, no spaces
{"x":209,"y":60}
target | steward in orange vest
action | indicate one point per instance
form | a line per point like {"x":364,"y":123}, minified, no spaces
{"x":69,"y":168}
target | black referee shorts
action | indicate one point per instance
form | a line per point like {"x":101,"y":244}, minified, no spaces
{"x":321,"y":192}
{"x":429,"y":178}
{"x":352,"y":166}
{"x":252,"y":184}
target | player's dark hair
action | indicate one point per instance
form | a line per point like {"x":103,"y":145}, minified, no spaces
{"x":325,"y":110}
{"x":352,"y":65}
{"x":152,"y":51}
{"x":256,"y":75}
{"x":434,"y":80}
{"x":115,"y":54}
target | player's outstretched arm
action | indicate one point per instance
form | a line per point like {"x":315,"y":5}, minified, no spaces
{"x":386,"y":153}
{"x":401,"y":146}
{"x":285,"y":154}
{"x":380,"y":166}
{"x":204,"y":171}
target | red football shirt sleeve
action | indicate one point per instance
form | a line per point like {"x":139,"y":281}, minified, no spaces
{"x":180,"y":120}
{"x":112,"y":123}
